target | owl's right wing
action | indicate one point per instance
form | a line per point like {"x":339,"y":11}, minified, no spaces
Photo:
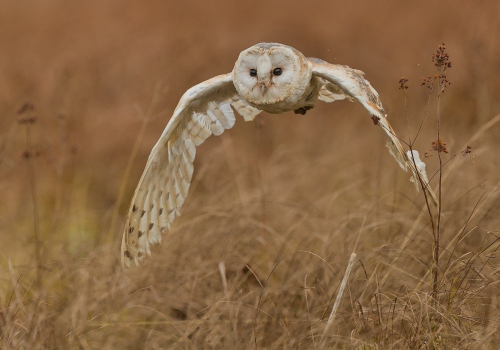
{"x":341,"y":82}
{"x":203,"y":110}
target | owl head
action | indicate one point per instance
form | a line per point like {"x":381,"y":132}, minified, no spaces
{"x":266,"y":74}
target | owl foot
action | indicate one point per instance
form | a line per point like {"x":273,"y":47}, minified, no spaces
{"x":303,"y":110}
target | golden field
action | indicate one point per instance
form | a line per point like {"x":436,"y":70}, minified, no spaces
{"x":276,"y":207}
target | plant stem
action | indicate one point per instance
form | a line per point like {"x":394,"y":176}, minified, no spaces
{"x":407,"y":120}
{"x":146,"y":118}
{"x":343,"y":284}
{"x":423,"y":183}
{"x":260,"y":126}
{"x":435,"y":259}
{"x":36,"y":224}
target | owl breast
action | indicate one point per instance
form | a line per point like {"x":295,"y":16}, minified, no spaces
{"x":300,"y":97}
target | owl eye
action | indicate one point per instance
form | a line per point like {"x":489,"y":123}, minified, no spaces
{"x":277,"y":71}
{"x":253,"y":72}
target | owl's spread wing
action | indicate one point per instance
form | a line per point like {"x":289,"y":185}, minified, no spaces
{"x":344,"y":82}
{"x":330,"y":92}
{"x":203,"y":110}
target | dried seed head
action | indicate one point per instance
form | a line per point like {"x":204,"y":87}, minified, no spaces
{"x":25,"y":115}
{"x":444,"y":82}
{"x":27,"y":107}
{"x":428,"y":83}
{"x":441,"y":58}
{"x":402,"y":83}
{"x":439,"y":146}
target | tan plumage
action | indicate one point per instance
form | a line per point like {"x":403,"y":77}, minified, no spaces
{"x":266,"y":77}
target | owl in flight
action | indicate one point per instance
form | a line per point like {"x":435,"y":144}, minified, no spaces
{"x":274,"y":78}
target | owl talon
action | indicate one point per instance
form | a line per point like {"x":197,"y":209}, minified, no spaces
{"x":303,"y":110}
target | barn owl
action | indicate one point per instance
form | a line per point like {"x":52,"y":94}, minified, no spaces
{"x":274,"y":78}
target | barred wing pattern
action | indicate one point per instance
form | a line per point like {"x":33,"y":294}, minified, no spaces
{"x":203,"y":110}
{"x":331,"y":92}
{"x":355,"y":86}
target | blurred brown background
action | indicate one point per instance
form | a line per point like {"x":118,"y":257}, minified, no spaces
{"x":96,"y":62}
{"x":91,"y":69}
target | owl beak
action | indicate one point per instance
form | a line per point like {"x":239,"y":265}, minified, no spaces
{"x":263,"y":89}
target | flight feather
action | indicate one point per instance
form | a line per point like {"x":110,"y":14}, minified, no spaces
{"x":356,"y":87}
{"x":203,"y":110}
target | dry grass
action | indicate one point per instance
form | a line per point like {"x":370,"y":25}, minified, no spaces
{"x":259,"y":253}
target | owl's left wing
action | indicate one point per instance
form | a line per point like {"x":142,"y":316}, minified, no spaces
{"x":344,"y":82}
{"x":203,"y":110}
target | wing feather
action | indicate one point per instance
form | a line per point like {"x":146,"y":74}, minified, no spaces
{"x":354,"y":86}
{"x":246,"y":111}
{"x":203,"y":110}
{"x":331,"y":92}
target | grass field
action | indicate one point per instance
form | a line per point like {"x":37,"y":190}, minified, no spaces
{"x":276,"y":207}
